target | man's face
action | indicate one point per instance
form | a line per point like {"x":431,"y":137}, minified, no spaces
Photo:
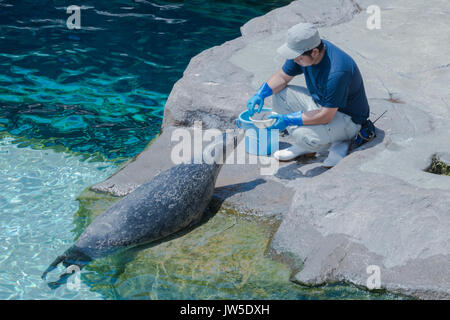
{"x":304,"y":60}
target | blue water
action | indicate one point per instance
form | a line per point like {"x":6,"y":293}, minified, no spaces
{"x":37,"y":203}
{"x":102,"y":88}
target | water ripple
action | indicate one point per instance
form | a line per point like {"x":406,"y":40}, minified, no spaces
{"x":161,"y":7}
{"x":39,"y":190}
{"x":114,"y":75}
{"x":140,"y":15}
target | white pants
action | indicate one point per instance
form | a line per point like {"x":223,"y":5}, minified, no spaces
{"x":313,"y":137}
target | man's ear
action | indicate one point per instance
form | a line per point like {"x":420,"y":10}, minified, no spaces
{"x":316,"y":52}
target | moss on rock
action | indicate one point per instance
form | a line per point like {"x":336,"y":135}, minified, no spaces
{"x":439,"y":167}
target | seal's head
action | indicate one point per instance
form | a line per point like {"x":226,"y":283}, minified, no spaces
{"x":222,"y":146}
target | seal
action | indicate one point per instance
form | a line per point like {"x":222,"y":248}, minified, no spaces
{"x":173,"y":200}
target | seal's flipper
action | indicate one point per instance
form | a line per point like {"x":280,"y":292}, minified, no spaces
{"x":72,"y":257}
{"x":53,"y":265}
{"x":62,"y":280}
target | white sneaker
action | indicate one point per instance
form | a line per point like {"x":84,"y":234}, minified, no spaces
{"x":291,"y":153}
{"x":337,"y":152}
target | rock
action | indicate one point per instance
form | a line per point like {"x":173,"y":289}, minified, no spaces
{"x":140,"y":169}
{"x":212,"y":90}
{"x":377,"y":207}
{"x":321,"y":13}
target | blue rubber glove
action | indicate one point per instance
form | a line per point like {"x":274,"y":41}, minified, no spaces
{"x":282,"y":121}
{"x":258,"y":99}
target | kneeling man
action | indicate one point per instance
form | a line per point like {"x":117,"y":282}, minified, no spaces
{"x":330,"y":111}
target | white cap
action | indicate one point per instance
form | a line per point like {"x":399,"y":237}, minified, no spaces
{"x":300,"y":38}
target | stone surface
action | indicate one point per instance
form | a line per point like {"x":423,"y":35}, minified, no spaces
{"x":377,"y":206}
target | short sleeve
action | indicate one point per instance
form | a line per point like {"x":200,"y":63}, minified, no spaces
{"x":337,"y":90}
{"x":291,"y":68}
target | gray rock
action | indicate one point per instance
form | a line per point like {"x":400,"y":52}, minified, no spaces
{"x":212,"y":90}
{"x":377,"y":206}
{"x":320,"y":12}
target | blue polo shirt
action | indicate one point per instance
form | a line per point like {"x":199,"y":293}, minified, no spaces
{"x":335,"y":82}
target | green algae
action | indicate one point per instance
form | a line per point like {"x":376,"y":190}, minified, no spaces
{"x":223,"y":257}
{"x":438,"y":167}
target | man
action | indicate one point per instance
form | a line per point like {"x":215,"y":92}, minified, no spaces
{"x":330,"y":111}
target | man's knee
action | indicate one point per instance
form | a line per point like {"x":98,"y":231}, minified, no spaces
{"x":309,"y":140}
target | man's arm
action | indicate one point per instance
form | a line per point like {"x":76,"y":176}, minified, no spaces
{"x":337,"y":94}
{"x":319,"y":116}
{"x":275,"y":84}
{"x":279,"y":81}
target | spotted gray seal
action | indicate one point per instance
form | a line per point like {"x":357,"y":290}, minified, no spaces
{"x":168,"y":203}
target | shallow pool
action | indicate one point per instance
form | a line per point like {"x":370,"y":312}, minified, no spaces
{"x":37,"y":204}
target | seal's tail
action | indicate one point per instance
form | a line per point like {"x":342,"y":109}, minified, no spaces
{"x":73,"y":260}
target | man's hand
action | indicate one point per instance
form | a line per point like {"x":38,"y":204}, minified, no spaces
{"x":254,"y":101}
{"x":279,"y":123}
{"x":258,"y":99}
{"x":282,"y":121}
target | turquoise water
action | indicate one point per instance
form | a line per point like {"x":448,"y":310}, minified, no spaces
{"x":74,"y":104}
{"x":103,"y":88}
{"x":37,"y":204}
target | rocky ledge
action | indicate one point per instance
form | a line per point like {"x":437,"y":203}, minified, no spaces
{"x":378,"y":209}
